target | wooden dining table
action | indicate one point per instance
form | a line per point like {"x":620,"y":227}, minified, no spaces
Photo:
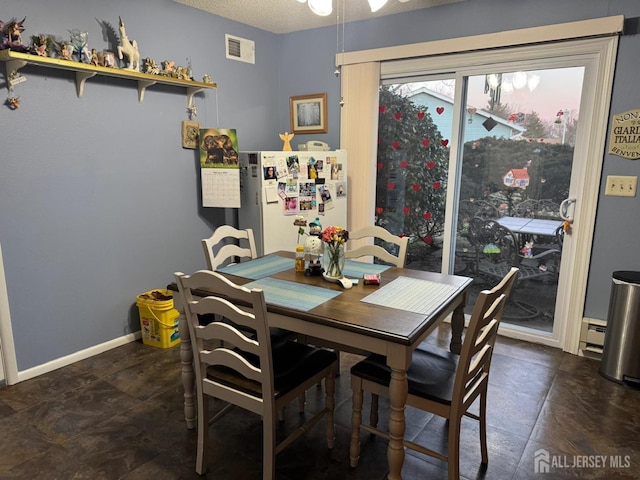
{"x":389,"y":319}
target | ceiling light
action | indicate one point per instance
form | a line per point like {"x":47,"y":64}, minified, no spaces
{"x":321,"y":7}
{"x":519,"y":80}
{"x":493,"y":80}
{"x":376,"y":5}
{"x":533,"y":82}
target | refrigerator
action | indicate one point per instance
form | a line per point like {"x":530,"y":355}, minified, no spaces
{"x":279,"y":190}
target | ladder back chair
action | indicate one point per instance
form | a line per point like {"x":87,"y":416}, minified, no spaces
{"x":439,"y":381}
{"x":376,"y":233}
{"x":244,"y":370}
{"x":219,"y":251}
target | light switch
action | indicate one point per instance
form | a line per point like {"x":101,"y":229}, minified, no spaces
{"x":621,"y":186}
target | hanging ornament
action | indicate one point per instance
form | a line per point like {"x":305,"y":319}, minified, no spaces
{"x":13,"y":103}
{"x":440,"y":110}
{"x":192,"y":111}
{"x":471,"y":111}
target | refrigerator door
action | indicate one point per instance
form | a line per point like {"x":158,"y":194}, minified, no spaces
{"x":280,"y":187}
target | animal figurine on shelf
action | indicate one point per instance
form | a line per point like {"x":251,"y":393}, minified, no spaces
{"x":128,"y":49}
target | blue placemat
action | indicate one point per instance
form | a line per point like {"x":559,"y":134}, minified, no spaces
{"x":357,"y":269}
{"x":259,"y":267}
{"x":291,"y":294}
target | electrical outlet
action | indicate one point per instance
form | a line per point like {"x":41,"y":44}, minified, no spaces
{"x":621,"y":186}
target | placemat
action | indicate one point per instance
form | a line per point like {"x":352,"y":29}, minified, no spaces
{"x":357,"y":269}
{"x":259,"y":267}
{"x":412,"y":294}
{"x":291,"y":294}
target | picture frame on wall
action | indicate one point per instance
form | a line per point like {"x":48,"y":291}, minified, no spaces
{"x":309,"y":113}
{"x":190,"y":134}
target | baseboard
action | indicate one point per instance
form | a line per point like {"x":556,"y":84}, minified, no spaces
{"x":77,"y":356}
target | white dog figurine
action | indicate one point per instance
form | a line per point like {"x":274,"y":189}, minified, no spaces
{"x":128,"y":49}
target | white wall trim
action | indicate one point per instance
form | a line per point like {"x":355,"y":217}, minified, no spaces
{"x":605,"y":26}
{"x":7,"y":347}
{"x":76,"y":357}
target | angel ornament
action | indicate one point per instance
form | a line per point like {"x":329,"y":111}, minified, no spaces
{"x":286,"y":138}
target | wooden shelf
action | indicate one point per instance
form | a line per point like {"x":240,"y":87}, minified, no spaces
{"x":15,"y":61}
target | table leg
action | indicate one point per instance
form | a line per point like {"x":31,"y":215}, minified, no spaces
{"x":457,"y":326}
{"x":398,"y":390}
{"x":188,"y":377}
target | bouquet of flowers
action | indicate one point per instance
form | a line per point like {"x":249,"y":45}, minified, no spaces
{"x":333,"y":239}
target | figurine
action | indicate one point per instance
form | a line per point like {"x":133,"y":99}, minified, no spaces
{"x":286,"y":138}
{"x":206,"y":78}
{"x":167,"y":68}
{"x":79,"y":44}
{"x":41,"y":44}
{"x":66,"y":51}
{"x":12,"y":33}
{"x":94,"y":57}
{"x":526,"y":251}
{"x":13,"y":102}
{"x":128,"y":49}
{"x":151,"y":66}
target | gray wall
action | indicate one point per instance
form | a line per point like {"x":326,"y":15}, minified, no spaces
{"x":99,"y":202}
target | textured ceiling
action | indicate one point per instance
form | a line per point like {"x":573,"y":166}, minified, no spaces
{"x":284,"y":16}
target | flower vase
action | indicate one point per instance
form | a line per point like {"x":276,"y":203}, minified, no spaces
{"x":333,"y":261}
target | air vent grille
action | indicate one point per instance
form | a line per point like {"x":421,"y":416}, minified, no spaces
{"x":240,"y":49}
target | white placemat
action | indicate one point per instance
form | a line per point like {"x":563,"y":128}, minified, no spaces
{"x":412,"y":294}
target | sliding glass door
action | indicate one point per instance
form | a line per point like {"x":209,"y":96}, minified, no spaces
{"x":474,"y":165}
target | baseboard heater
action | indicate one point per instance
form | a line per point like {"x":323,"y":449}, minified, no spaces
{"x":592,"y":335}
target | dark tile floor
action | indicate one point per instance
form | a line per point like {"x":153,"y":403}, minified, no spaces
{"x":119,"y":415}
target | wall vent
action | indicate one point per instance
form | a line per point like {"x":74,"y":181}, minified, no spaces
{"x":240,"y":49}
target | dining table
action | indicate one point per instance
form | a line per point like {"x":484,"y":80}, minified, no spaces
{"x":390,"y":319}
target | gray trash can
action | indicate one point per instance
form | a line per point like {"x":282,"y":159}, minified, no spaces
{"x":621,"y":353}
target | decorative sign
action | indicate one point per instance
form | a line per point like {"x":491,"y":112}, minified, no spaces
{"x":625,"y":135}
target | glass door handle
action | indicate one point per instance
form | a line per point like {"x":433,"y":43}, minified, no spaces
{"x":568,"y":204}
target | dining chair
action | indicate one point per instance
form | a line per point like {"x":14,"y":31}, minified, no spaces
{"x":244,"y":370}
{"x":439,"y":382}
{"x":380,"y":235}
{"x":228,"y":243}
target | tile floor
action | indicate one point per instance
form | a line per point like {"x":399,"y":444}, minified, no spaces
{"x":118,"y":415}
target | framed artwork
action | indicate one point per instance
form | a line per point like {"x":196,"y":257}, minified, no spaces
{"x":190,"y":134}
{"x":309,"y":113}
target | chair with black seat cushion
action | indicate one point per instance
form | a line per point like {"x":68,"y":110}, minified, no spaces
{"x":244,"y":370}
{"x":395,"y":253}
{"x":439,"y":381}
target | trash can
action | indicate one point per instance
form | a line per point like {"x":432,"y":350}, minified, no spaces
{"x":158,"y":318}
{"x":621,"y":352}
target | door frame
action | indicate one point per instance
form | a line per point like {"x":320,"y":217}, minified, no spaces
{"x":8,"y":362}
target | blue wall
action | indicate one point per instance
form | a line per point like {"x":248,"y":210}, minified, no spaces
{"x":99,"y":202}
